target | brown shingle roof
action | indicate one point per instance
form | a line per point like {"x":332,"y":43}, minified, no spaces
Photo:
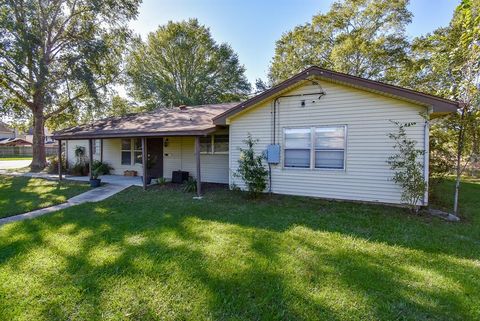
{"x":193,"y":120}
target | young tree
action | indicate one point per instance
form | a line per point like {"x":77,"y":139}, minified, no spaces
{"x":365,"y":38}
{"x":407,"y":166}
{"x":447,"y":63}
{"x":251,"y":169}
{"x":57,"y":56}
{"x":180,"y":63}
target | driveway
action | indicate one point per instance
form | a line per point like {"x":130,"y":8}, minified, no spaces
{"x":11,"y":164}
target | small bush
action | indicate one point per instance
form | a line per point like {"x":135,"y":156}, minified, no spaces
{"x":79,"y":169}
{"x":101,"y":168}
{"x":251,"y":169}
{"x":52,"y":165}
{"x":190,"y":186}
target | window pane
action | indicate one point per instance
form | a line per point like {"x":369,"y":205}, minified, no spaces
{"x":329,"y":159}
{"x":206,"y":144}
{"x":137,"y":156}
{"x":137,"y":144}
{"x":330,"y":137}
{"x":126,"y":158}
{"x":297,"y":138}
{"x":96,"y":144}
{"x":126,"y":145}
{"x":297,"y":158}
{"x":220,"y":143}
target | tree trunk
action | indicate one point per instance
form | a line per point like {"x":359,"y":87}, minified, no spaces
{"x":39,"y":160}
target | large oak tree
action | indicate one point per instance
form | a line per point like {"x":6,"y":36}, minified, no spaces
{"x":181,"y":63}
{"x":57,"y":56}
{"x":365,"y":38}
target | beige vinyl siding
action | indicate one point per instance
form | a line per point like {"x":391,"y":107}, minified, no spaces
{"x":180,"y":155}
{"x":367,"y":176}
{"x":111,"y":155}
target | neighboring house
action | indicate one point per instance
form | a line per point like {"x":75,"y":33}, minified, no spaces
{"x":14,"y":142}
{"x":6,"y":132}
{"x":331,"y":130}
{"x":28,"y":136}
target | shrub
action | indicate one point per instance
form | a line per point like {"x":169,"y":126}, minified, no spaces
{"x":408,"y":169}
{"x":101,"y":168}
{"x":190,"y":185}
{"x":52,"y":165}
{"x":79,"y":169}
{"x":251,"y":169}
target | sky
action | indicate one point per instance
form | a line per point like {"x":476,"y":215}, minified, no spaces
{"x":251,"y":27}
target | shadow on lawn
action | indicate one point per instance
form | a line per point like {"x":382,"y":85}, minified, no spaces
{"x":225,"y":258}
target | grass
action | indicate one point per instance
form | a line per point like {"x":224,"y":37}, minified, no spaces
{"x":23,"y":194}
{"x":13,"y":158}
{"x":160,"y":255}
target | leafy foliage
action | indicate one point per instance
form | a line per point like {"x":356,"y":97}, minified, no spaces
{"x":408,"y":167}
{"x":52,"y":165}
{"x":251,"y":169}
{"x":190,"y":185}
{"x":180,"y":63}
{"x":58,"y":59}
{"x":101,"y":168}
{"x":364,"y":38}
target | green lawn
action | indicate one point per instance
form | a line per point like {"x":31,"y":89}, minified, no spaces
{"x":160,"y":255}
{"x":12,"y":158}
{"x":22,"y":194}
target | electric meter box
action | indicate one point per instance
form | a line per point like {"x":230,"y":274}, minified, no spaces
{"x":273,"y":153}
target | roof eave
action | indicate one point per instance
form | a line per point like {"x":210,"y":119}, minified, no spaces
{"x":438,"y":104}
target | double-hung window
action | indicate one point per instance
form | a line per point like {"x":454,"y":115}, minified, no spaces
{"x":214,"y":144}
{"x":316,"y":147}
{"x":298,"y":144}
{"x":131,"y":151}
{"x":96,"y":146}
{"x":330,"y":147}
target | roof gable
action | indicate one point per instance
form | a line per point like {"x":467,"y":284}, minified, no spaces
{"x":439,"y":105}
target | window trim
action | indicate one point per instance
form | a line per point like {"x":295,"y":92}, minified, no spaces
{"x":132,"y":152}
{"x":313,"y":149}
{"x":212,"y":144}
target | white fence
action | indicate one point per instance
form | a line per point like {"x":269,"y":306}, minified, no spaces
{"x":25,"y":150}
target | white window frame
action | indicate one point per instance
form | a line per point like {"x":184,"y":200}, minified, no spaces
{"x":313,"y":149}
{"x":212,"y":145}
{"x":132,"y":152}
{"x":96,"y":146}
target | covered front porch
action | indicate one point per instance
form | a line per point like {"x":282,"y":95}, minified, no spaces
{"x":147,"y":157}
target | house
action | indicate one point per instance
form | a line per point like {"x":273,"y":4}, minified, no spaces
{"x":14,"y":142}
{"x":28,"y":136}
{"x":6,"y":132}
{"x":331,"y":130}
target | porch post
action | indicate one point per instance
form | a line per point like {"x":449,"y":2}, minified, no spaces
{"x":197,"y":159}
{"x":59,"y":159}
{"x":90,"y":155}
{"x":144,"y":162}
{"x":101,"y":150}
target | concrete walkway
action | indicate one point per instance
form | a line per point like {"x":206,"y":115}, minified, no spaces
{"x":93,"y":195}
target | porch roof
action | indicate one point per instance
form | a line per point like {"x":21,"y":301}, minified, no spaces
{"x":191,"y":120}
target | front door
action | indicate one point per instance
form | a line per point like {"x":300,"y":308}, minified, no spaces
{"x":154,"y":158}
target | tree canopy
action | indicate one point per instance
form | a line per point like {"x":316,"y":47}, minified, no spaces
{"x":58,"y":57}
{"x":365,"y":38}
{"x":180,"y":63}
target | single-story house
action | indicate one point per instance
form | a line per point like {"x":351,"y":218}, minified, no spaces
{"x":327,"y":132}
{"x":14,"y":142}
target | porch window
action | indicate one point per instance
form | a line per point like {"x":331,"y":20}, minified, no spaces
{"x":214,"y":144}
{"x":206,"y":144}
{"x":220,"y":144}
{"x":137,"y":150}
{"x":126,"y":151}
{"x":96,"y":146}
